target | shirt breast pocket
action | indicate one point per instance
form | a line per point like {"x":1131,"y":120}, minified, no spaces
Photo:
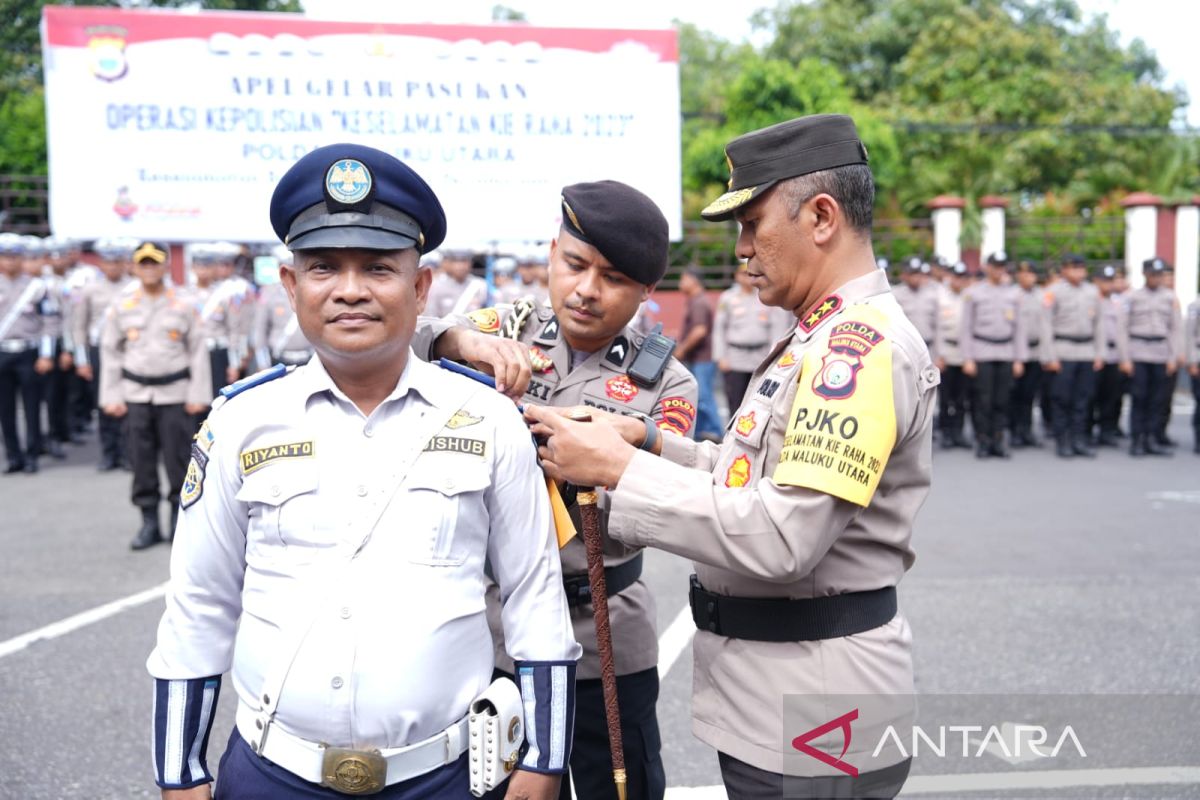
{"x":445,"y":514}
{"x":284,"y":512}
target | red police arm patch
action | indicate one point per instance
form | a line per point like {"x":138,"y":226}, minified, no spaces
{"x":676,"y":414}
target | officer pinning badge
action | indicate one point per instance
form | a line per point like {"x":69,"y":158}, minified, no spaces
{"x":456,"y":444}
{"x":486,"y":320}
{"x":678,"y":414}
{"x":617,"y":351}
{"x":462,"y":419}
{"x":738,"y":474}
{"x":842,"y":425}
{"x":620,"y":388}
{"x":745,"y":425}
{"x":821,"y":312}
{"x":348,"y":181}
{"x":255,"y":459}
{"x":193,"y":479}
{"x":539,"y":360}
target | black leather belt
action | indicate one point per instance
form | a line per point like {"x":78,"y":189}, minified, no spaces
{"x":747,"y":346}
{"x":616,"y":579}
{"x":1111,"y":343}
{"x":156,"y":380}
{"x":1147,"y":338}
{"x":991,"y":340}
{"x":952,"y":341}
{"x":1035,"y":342}
{"x":785,"y":620}
{"x":1058,"y":337}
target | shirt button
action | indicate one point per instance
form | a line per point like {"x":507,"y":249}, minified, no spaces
{"x":362,"y":491}
{"x":274,"y":491}
{"x":449,"y":483}
{"x":367,"y":431}
{"x":336,"y":682}
{"x":345,"y":612}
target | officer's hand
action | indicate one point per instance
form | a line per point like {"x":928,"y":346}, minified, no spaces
{"x":231,"y":374}
{"x":85,"y":371}
{"x":201,"y":792}
{"x":1018,"y":369}
{"x":969,"y":369}
{"x":1194,"y":370}
{"x":43,"y":365}
{"x":940,"y":363}
{"x":584,"y":453}
{"x":1097,"y":364}
{"x":1127,"y":367}
{"x":1171,"y":367}
{"x":1052,"y":366}
{"x":723,"y":365}
{"x":195,"y":408}
{"x":117,"y":410}
{"x":65,"y":361}
{"x":506,"y":359}
{"x":525,"y":785}
{"x":632,"y":429}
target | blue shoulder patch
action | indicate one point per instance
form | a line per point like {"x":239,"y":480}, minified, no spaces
{"x":257,"y":379}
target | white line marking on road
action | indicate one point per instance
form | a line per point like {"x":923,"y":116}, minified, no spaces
{"x":1006,"y":781}
{"x":674,"y":641}
{"x":1175,"y":497}
{"x":80,"y":620}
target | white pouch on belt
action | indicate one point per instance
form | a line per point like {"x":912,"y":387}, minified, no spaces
{"x":496,"y":731}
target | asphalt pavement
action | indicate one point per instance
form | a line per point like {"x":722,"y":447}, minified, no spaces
{"x":1033,"y":576}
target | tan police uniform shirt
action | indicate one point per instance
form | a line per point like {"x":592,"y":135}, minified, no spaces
{"x":743,"y":330}
{"x":946,"y":343}
{"x":152,"y":336}
{"x":277,"y":334}
{"x":1072,"y":323}
{"x":1033,"y":318}
{"x":1150,"y":326}
{"x":448,"y":296}
{"x":601,"y":381}
{"x":1111,"y":316}
{"x":24,"y":323}
{"x":993,"y":328}
{"x":91,"y":303}
{"x":1193,"y":333}
{"x":921,"y":308}
{"x":746,"y":513}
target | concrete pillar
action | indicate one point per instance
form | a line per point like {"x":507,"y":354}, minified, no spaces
{"x":946,"y":215}
{"x":1187,"y":251}
{"x":995,"y":211}
{"x":1141,"y":233}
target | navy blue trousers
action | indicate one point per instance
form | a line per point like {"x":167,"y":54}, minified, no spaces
{"x":242,"y":775}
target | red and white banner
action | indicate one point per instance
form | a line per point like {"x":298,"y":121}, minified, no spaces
{"x":176,"y":126}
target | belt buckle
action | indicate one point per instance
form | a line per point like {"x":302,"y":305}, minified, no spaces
{"x":353,"y":771}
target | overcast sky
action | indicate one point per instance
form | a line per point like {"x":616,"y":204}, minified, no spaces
{"x":1162,"y":24}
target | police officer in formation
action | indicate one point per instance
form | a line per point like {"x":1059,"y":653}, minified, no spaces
{"x":954,"y":393}
{"x":1192,"y":342}
{"x":799,"y":526}
{"x":276,"y":337}
{"x":1111,"y":383}
{"x":608,"y":256}
{"x":455,"y":290}
{"x":1030,"y":387}
{"x":27,"y":350}
{"x":154,"y":374}
{"x":1073,"y":352}
{"x":89,"y":309}
{"x":1149,"y":338}
{"x":743,"y":332}
{"x":995,"y":348}
{"x":322,"y":500}
{"x":219,"y":302}
{"x":918,"y":294}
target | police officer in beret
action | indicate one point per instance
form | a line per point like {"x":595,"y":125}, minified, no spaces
{"x":1073,"y":353}
{"x":799,"y":523}
{"x":1192,"y":360}
{"x":1161,"y":437}
{"x":154,"y":374}
{"x":609,"y":254}
{"x":1148,"y":342}
{"x":1111,"y":382}
{"x":917,"y":293}
{"x":26,"y":354}
{"x":1030,"y":386}
{"x":276,"y":337}
{"x":995,"y":349}
{"x":338,"y":521}
{"x":954,"y":393}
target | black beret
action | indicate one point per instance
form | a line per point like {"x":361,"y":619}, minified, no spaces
{"x":1029,"y":265}
{"x":1155,"y":266}
{"x":1108,"y":272}
{"x":349,"y":195}
{"x":760,"y":159}
{"x":998,"y":259}
{"x":625,"y":225}
{"x":152,"y":251}
{"x":1074,"y":258}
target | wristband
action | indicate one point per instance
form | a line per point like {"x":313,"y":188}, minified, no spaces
{"x":651,"y":435}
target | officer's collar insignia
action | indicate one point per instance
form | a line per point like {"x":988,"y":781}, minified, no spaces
{"x":256,"y":458}
{"x":550,"y":332}
{"x":348,"y":181}
{"x":617,"y":351}
{"x":539,"y":360}
{"x":819,"y":313}
{"x":204,"y":437}
{"x":745,"y":425}
{"x":788,"y":360}
{"x":462,"y":419}
{"x":738,"y":474}
{"x":193,"y":480}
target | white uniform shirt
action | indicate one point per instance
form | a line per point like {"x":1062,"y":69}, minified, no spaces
{"x":397,"y":642}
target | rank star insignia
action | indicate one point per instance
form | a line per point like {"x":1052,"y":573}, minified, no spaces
{"x":539,"y":360}
{"x":819,"y":313}
{"x":620,"y":388}
{"x":745,"y":425}
{"x":738,"y":474}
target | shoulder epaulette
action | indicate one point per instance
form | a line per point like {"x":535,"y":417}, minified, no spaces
{"x":257,"y":379}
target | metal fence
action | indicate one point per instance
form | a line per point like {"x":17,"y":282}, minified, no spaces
{"x":23,"y":204}
{"x":1098,"y":239}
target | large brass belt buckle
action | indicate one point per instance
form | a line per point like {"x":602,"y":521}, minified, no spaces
{"x":353,"y":771}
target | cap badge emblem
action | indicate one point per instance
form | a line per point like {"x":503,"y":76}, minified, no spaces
{"x":348,"y":181}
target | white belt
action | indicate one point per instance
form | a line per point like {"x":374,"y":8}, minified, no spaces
{"x":16,"y":345}
{"x":306,"y":760}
